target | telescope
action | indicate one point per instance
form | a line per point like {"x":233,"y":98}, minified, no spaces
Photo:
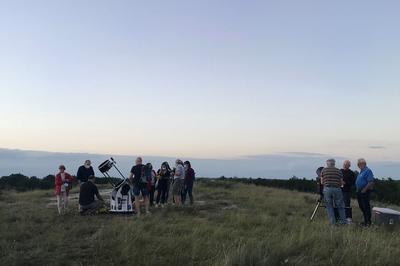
{"x":121,"y":198}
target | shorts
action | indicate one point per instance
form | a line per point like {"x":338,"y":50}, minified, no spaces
{"x":140,"y":188}
{"x":177,"y":187}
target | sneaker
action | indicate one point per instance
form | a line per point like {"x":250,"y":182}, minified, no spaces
{"x":148,"y":213}
{"x":349,"y":221}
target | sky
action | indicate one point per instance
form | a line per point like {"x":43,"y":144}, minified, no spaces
{"x":201,"y":79}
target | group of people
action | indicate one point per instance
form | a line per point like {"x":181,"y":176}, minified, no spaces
{"x":144,"y":180}
{"x":336,"y":186}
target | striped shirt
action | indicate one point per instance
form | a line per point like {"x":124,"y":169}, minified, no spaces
{"x":331,"y":177}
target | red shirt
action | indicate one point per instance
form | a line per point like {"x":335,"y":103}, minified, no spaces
{"x":59,"y":183}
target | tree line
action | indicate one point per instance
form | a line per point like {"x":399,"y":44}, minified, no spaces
{"x":387,"y":190}
{"x":21,"y":183}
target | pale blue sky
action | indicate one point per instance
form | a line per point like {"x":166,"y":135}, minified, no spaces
{"x":201,"y":78}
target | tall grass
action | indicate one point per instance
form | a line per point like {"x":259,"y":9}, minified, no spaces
{"x":231,"y":224}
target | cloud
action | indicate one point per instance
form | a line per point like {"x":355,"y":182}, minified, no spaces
{"x":299,"y":153}
{"x":377,"y":147}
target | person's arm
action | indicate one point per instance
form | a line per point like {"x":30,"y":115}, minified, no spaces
{"x":130,"y":177}
{"x":370,"y":185}
{"x":79,"y":174}
{"x":321,"y":180}
{"x":353,"y":179}
{"x":91,"y":171}
{"x":98,"y":195}
{"x":341,"y":178}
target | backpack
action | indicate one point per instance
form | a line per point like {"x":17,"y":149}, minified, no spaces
{"x":146,"y":174}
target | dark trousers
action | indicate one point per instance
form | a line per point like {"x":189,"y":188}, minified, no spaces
{"x":347,"y":204}
{"x":188,"y":190}
{"x":162,"y":191}
{"x":364,"y":203}
{"x":151,"y":195}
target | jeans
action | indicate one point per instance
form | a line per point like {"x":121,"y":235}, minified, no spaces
{"x":347,"y":204}
{"x":334,"y":198}
{"x":188,"y":189}
{"x":365,"y":206}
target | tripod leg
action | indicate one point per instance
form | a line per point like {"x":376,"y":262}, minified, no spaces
{"x":315,"y":211}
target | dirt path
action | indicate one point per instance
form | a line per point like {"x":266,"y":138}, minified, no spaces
{"x":74,"y":197}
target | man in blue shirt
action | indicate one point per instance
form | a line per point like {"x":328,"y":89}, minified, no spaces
{"x":364,"y":185}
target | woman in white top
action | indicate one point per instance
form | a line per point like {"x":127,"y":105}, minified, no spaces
{"x":179,"y":179}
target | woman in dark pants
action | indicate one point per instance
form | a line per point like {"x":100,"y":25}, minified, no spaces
{"x":189,"y":181}
{"x":163,"y":176}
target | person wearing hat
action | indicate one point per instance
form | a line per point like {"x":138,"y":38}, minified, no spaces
{"x":332,"y":180}
{"x":63,"y":182}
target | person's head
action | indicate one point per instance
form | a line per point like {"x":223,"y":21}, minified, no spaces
{"x":346,"y":164}
{"x":87,"y":164}
{"x":319,"y":171}
{"x":178,"y":162}
{"x":92,"y":178}
{"x":361,"y":163}
{"x":61,"y":168}
{"x":331,"y":163}
{"x":165,"y":166}
{"x":149,"y":166}
{"x":139,"y":161}
{"x":187,"y":165}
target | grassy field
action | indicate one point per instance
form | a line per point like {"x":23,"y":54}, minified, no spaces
{"x":230,"y":224}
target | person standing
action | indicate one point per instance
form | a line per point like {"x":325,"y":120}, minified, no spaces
{"x":331,"y":179}
{"x":84,"y":172}
{"x":87,"y":202}
{"x":138,"y":180}
{"x":179,"y":179}
{"x":151,"y":185}
{"x":349,"y":178}
{"x":189,"y":181}
{"x":163,"y":177}
{"x":364,"y":186}
{"x":63,"y":183}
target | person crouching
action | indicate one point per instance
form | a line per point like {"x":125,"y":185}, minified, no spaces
{"x":332,"y":179}
{"x":63,"y":183}
{"x":87,"y":201}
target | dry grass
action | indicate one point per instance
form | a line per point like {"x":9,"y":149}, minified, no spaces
{"x":231,"y":224}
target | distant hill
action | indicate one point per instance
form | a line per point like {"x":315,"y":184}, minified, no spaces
{"x":282,"y":166}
